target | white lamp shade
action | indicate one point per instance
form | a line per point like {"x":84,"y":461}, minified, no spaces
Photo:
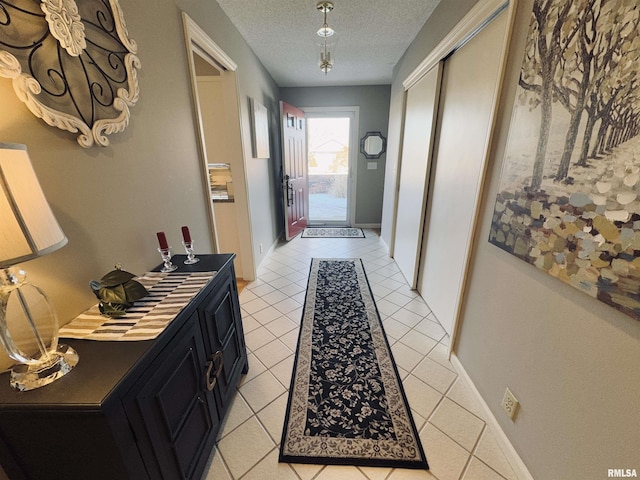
{"x":28,"y":228}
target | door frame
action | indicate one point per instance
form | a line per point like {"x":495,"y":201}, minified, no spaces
{"x":198,"y":42}
{"x":474,"y":21}
{"x":352,"y":112}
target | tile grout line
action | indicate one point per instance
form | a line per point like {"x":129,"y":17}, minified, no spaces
{"x":278,"y":262}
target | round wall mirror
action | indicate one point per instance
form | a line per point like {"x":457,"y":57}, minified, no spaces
{"x":373,"y":145}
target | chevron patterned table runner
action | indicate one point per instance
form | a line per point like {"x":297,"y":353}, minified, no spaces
{"x":169,"y":293}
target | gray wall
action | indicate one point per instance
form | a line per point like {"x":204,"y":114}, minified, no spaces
{"x":571,"y":360}
{"x":111,"y":201}
{"x":373,"y":101}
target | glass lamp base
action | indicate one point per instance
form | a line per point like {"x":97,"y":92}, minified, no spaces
{"x":28,"y":377}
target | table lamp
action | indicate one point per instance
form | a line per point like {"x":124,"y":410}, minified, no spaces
{"x":28,"y":229}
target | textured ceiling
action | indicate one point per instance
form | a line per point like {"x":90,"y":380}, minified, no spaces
{"x":372,"y":36}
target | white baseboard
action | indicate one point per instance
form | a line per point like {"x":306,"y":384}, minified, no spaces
{"x":384,"y":244}
{"x":270,"y":251}
{"x":367,"y":225}
{"x":510,"y":453}
{"x":273,"y":246}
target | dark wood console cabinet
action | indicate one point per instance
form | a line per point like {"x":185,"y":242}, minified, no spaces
{"x":134,"y":410}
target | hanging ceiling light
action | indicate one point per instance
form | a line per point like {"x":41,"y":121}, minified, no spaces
{"x":326,"y":62}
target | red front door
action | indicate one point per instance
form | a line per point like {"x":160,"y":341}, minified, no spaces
{"x":294,"y":162}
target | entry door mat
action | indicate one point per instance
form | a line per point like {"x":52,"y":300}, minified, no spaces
{"x":346,"y":403}
{"x":327,"y":232}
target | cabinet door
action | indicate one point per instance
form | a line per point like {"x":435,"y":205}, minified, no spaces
{"x":222,"y":324}
{"x":172,"y":413}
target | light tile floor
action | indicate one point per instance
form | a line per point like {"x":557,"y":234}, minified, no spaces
{"x":457,"y":440}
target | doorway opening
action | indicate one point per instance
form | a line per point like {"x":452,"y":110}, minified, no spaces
{"x":220,"y":169}
{"x":217,"y":117}
{"x":330,"y":160}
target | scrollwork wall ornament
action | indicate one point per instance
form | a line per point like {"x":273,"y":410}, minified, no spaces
{"x":73,"y":65}
{"x":65,"y":24}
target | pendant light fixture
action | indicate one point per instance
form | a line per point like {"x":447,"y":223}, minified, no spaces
{"x":325,"y":33}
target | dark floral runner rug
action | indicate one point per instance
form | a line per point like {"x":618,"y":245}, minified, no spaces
{"x":346,"y":402}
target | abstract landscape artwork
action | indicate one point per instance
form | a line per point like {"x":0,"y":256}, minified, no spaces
{"x":569,"y":192}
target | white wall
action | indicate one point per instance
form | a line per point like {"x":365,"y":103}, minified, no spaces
{"x":572,"y":361}
{"x":111,"y":201}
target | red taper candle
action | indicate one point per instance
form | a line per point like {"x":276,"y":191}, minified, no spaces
{"x":186,"y":236}
{"x":162,"y":240}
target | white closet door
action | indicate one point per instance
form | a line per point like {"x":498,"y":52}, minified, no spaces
{"x":420,"y":112}
{"x":467,"y":100}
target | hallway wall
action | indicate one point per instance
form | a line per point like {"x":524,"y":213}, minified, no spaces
{"x":571,"y":360}
{"x":111,"y":201}
{"x":373,"y":101}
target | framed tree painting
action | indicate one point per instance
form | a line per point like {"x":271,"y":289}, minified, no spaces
{"x":569,"y":192}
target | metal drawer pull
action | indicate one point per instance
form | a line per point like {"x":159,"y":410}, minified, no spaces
{"x":210,"y":364}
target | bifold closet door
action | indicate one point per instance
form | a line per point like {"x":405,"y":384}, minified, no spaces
{"x":467,"y":99}
{"x":420,"y":112}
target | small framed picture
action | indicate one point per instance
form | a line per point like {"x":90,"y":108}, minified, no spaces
{"x":260,"y":116}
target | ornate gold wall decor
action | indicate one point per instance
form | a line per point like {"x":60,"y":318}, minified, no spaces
{"x":72,"y":64}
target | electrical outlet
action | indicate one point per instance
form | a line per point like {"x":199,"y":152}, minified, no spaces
{"x":510,"y":404}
